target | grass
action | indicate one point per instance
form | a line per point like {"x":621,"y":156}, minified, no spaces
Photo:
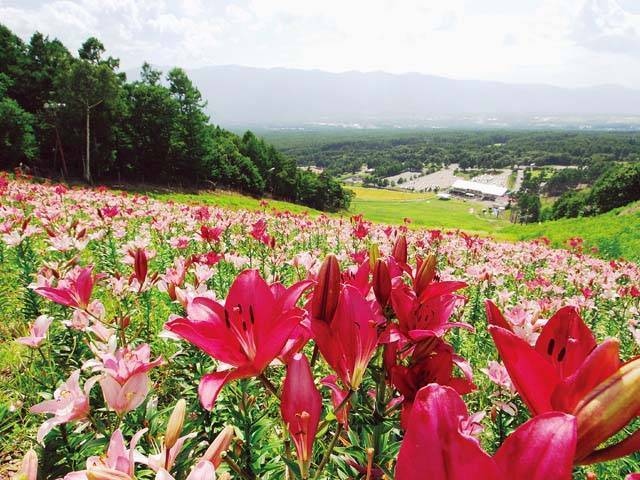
{"x":424,"y":210}
{"x":231,"y":200}
{"x":615,"y":234}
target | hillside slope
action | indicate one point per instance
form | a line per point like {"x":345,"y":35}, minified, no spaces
{"x":615,"y":234}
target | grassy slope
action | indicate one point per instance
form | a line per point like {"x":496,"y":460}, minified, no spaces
{"x":615,"y":234}
{"x":226,"y":199}
{"x":424,"y":209}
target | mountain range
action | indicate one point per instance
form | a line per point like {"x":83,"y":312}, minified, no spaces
{"x":281,"y":97}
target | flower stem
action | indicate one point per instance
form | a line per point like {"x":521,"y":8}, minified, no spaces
{"x":234,"y":466}
{"x":268,"y":385}
{"x":327,"y":454}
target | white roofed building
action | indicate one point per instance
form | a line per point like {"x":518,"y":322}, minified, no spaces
{"x":475,"y":189}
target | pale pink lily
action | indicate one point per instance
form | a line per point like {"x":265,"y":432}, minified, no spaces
{"x":204,"y":470}
{"x":118,"y":463}
{"x":38,"y":332}
{"x":123,"y":398}
{"x":125,"y":382}
{"x":69,"y":403}
{"x":126,"y":362}
{"x":28,"y":468}
{"x":164,"y":460}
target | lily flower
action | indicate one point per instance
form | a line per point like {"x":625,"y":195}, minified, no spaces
{"x":28,"y":467}
{"x":38,"y":332}
{"x":118,"y":463}
{"x":432,"y":366}
{"x":74,"y":291}
{"x":435,"y":446}
{"x":69,"y":403}
{"x":245,"y":334}
{"x":301,"y":406}
{"x":349,"y":340}
{"x":567,"y":371}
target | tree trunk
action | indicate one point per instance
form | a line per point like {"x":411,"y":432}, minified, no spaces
{"x":87,"y":159}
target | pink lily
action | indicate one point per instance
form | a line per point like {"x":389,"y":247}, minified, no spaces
{"x":38,"y":332}
{"x":125,"y":362}
{"x":69,"y":403}
{"x":123,"y":398}
{"x":118,"y":463}
{"x":74,"y":291}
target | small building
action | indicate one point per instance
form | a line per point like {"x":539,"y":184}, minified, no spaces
{"x":483,"y":191}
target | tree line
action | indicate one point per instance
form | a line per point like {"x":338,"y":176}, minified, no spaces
{"x":77,"y":116}
{"x":390,"y":152}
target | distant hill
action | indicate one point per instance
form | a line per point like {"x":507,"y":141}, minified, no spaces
{"x":288,"y":97}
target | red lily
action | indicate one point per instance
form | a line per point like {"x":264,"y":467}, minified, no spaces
{"x":349,"y":339}
{"x":434,"y":446}
{"x":301,"y":407}
{"x":246,"y":333}
{"x":564,"y":370}
{"x":427,"y":313}
{"x":434,"y":365}
{"x":74,"y":291}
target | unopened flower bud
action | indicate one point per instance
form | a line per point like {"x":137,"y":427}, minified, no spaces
{"x":175,"y":424}
{"x":219,"y":445}
{"x":374,"y":255}
{"x":400,"y":249}
{"x":608,"y":408}
{"x":381,"y":282}
{"x":425,"y":274}
{"x":327,"y":290}
{"x":29,"y":468}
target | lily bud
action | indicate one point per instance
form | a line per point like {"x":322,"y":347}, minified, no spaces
{"x":140,"y":264}
{"x":175,"y":424}
{"x":425,"y":274}
{"x":327,"y":290}
{"x":374,"y":255}
{"x":29,"y":468}
{"x":219,"y":445}
{"x":400,"y":249}
{"x":608,"y":408}
{"x":381,"y":282}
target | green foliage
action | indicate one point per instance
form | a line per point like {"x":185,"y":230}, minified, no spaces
{"x":390,"y":152}
{"x":618,"y":187}
{"x":148,"y":130}
{"x":17,"y":139}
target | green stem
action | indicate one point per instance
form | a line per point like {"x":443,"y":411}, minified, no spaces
{"x":234,"y":466}
{"x":327,"y":454}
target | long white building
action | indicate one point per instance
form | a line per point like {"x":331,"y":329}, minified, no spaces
{"x":476,"y":189}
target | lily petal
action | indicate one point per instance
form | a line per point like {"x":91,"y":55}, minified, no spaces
{"x":542,"y":448}
{"x":533,"y":376}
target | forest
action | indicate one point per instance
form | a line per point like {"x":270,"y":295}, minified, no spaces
{"x":390,"y":152}
{"x":580,"y":173}
{"x":69,"y":117}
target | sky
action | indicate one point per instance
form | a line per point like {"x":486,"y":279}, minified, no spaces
{"x":568,"y":43}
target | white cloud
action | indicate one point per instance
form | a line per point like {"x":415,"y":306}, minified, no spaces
{"x":567,"y":42}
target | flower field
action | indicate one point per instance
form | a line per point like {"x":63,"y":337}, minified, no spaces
{"x":154,"y":339}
